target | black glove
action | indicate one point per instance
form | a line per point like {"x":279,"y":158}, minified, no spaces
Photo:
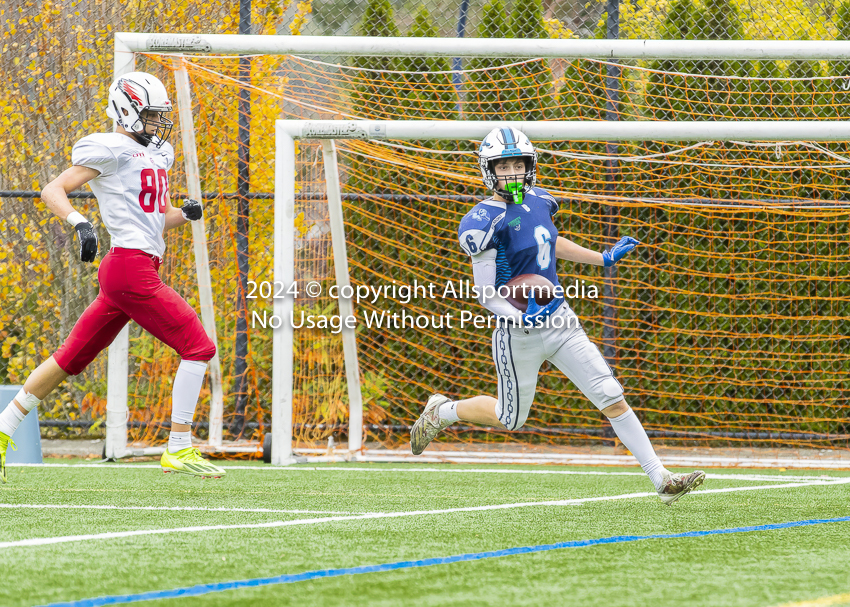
{"x":192,"y":210}
{"x":88,"y":241}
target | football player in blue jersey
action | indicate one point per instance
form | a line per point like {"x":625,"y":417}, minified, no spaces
{"x":510,"y":234}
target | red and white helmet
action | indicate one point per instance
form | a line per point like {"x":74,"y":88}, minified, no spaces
{"x":134,"y":92}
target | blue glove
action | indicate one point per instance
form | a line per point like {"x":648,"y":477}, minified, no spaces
{"x":535,"y":313}
{"x":619,"y":250}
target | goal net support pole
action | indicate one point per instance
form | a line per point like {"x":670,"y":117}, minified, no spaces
{"x":284,"y":272}
{"x":199,"y":244}
{"x":117,"y":366}
{"x":574,"y":130}
{"x":349,"y":340}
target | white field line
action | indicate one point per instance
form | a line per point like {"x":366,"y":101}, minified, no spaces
{"x":397,"y":455}
{"x":779,"y":478}
{"x":166,"y":508}
{"x":461,"y":457}
{"x":307,"y":468}
{"x":673,"y":463}
{"x":376,"y":515}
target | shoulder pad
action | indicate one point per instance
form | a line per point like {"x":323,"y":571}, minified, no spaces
{"x":94,"y":153}
{"x":478,"y":227}
{"x":550,"y":200}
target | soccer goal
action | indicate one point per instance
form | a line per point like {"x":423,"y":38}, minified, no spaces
{"x":728,"y":160}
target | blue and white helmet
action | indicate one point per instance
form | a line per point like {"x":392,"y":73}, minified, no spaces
{"x":506,"y":142}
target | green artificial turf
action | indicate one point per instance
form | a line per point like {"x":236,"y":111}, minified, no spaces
{"x":756,"y":568}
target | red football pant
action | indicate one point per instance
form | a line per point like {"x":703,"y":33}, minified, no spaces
{"x":131,"y":289}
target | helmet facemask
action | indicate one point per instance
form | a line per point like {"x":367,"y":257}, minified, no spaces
{"x":511,"y":186}
{"x":162,"y":126}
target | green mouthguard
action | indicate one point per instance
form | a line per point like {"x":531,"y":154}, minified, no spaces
{"x":515,"y":189}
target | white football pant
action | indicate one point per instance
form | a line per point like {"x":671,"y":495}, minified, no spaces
{"x":518,"y":353}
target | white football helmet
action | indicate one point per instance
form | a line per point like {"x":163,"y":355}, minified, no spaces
{"x":134,"y":92}
{"x":507,"y":142}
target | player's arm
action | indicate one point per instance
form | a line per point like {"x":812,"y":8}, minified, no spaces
{"x":55,"y":193}
{"x":190,"y":211}
{"x":55,"y":197}
{"x":570,"y":251}
{"x":484,"y":279}
{"x":476,"y":239}
{"x":173,"y":216}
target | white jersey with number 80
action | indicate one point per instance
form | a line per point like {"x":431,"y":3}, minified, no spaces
{"x":131,"y":190}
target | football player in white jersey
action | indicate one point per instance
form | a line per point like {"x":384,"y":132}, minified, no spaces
{"x":511,"y":234}
{"x":128,"y":172}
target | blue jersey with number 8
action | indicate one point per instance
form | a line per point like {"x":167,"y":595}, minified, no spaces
{"x":523,"y":235}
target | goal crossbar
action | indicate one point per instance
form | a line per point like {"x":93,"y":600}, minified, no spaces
{"x":232,"y":44}
{"x":574,"y":130}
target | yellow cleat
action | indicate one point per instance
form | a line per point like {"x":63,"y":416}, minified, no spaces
{"x":190,"y":461}
{"x":5,"y":442}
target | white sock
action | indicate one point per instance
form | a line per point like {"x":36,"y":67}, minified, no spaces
{"x":630,"y":431}
{"x":448,"y":412}
{"x":177,"y":441}
{"x":187,"y":387}
{"x":10,"y":419}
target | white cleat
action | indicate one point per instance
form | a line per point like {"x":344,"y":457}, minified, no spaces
{"x":429,"y":424}
{"x":677,"y":485}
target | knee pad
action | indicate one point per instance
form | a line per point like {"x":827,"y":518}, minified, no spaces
{"x":607,"y":392}
{"x":519,"y":423}
{"x":505,"y":420}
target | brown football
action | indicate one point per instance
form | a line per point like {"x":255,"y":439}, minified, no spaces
{"x":522,"y":286}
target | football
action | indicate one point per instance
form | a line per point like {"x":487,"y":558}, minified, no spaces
{"x":522,"y":286}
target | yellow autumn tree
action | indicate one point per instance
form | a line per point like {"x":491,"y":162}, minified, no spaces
{"x":56,"y":65}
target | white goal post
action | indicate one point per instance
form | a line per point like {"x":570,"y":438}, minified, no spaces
{"x":288,"y":131}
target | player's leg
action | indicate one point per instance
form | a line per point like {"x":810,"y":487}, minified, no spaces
{"x":188,"y":382}
{"x":518,"y":354}
{"x":669,"y":485}
{"x":92,"y":333}
{"x":37,"y":386}
{"x":160,"y":311}
{"x":478,"y":410}
{"x":580,"y":360}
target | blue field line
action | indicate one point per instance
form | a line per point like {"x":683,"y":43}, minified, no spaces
{"x":201,"y":589}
